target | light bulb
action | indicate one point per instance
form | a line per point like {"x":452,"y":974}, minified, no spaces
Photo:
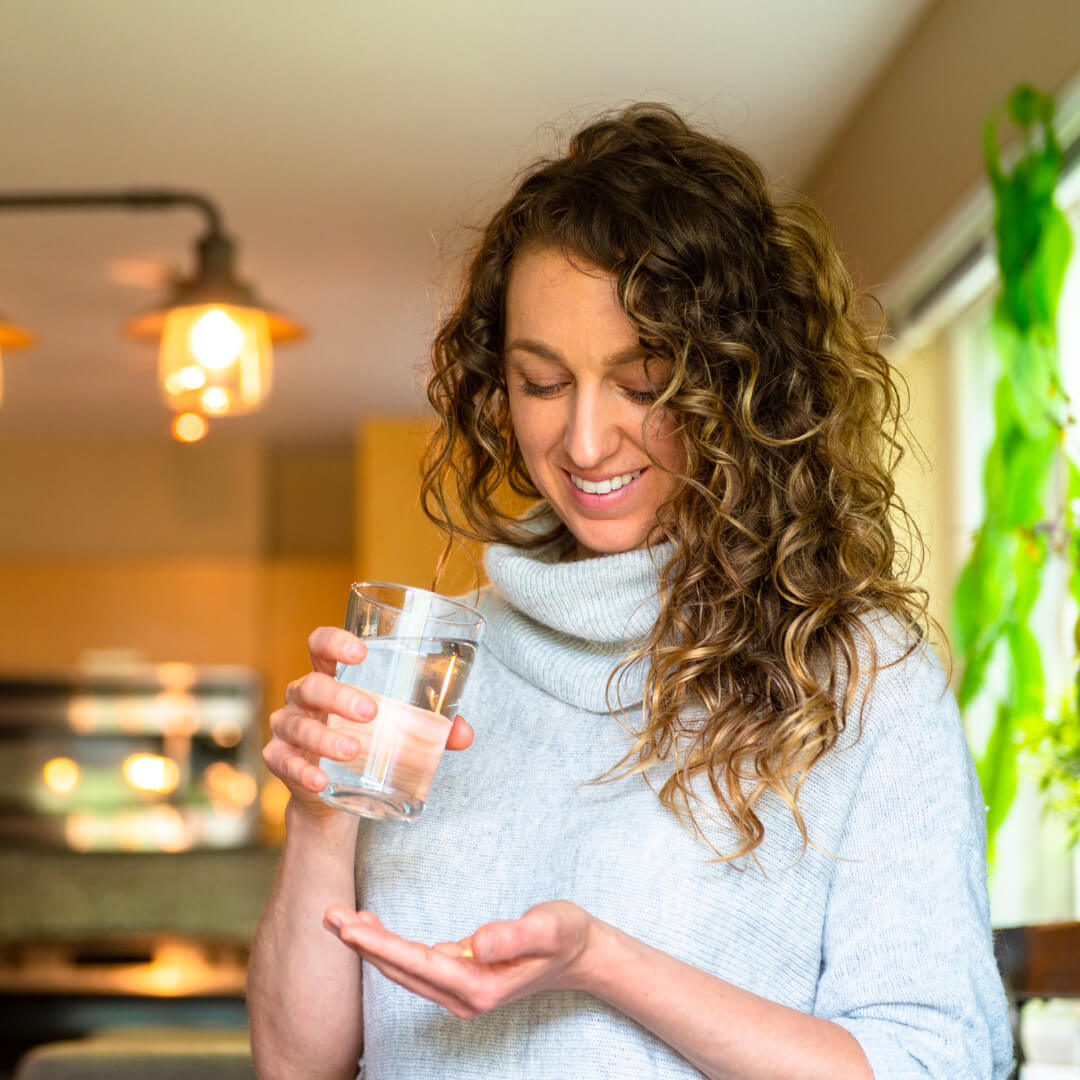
{"x":215,"y":359}
{"x":61,"y":775}
{"x":151,"y":772}
{"x":192,"y":377}
{"x":215,"y":400}
{"x":216,"y":340}
{"x":189,"y":427}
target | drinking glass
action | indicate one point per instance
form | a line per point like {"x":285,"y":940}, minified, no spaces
{"x":420,"y":646}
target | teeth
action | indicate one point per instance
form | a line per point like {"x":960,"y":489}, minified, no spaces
{"x":604,"y":487}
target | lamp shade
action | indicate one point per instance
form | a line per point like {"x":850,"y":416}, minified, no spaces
{"x":11,"y":337}
{"x":215,"y":359}
{"x":215,"y":337}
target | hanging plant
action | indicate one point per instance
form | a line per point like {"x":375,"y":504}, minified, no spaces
{"x":1028,"y":518}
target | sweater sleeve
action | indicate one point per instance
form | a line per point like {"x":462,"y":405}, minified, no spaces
{"x":907,"y":959}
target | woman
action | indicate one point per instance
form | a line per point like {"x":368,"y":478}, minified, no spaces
{"x":719,"y":817}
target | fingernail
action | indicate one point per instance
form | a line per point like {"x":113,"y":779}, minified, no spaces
{"x":354,"y":651}
{"x":335,"y":919}
{"x":349,"y":747}
{"x":361,"y":708}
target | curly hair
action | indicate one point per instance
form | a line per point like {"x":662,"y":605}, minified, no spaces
{"x":782,"y":525}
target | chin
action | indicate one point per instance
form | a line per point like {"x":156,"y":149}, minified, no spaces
{"x":592,"y":542}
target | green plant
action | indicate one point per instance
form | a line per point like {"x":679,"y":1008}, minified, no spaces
{"x":1031,"y":485}
{"x":1056,"y":747}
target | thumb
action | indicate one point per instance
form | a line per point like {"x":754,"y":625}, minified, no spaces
{"x":461,"y":735}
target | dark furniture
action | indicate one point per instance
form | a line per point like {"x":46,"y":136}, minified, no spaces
{"x":1040,"y":961}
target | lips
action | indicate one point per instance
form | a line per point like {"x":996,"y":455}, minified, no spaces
{"x":606,"y":492}
{"x":606,"y":485}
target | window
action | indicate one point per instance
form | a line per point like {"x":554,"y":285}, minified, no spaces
{"x":1035,"y":877}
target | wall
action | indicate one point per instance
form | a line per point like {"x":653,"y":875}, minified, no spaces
{"x":222,"y":552}
{"x":912,"y":150}
{"x":925,"y":481}
{"x":903,"y":166}
{"x":395,"y":541}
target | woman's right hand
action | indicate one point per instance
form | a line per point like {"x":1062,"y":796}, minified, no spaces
{"x":299,"y":735}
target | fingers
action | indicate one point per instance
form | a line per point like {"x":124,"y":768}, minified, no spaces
{"x":493,"y":942}
{"x":431,"y":973}
{"x":461,"y":735}
{"x":337,"y":916}
{"x":365,"y":932}
{"x":449,"y":1001}
{"x":320,"y":693}
{"x":298,"y":740}
{"x":295,"y":770}
{"x":460,"y":949}
{"x":330,"y":646}
{"x":533,"y":935}
{"x":303,"y":732}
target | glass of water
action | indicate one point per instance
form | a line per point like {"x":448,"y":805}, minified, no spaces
{"x":420,"y":646}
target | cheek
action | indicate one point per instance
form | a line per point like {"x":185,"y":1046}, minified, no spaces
{"x":664,"y":442}
{"x":529,"y":430}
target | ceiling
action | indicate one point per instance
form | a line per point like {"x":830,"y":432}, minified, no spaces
{"x":348,"y":145}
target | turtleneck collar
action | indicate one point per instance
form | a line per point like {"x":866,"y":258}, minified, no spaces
{"x":564,"y":626}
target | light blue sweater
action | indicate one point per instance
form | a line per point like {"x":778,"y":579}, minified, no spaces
{"x":891,"y":939}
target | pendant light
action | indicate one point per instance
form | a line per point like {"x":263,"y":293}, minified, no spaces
{"x":216,"y":337}
{"x":215,"y":334}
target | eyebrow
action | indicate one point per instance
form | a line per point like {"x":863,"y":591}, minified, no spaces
{"x":631,"y":354}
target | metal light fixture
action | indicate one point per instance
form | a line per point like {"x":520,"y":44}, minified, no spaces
{"x":11,"y":337}
{"x":216,"y":336}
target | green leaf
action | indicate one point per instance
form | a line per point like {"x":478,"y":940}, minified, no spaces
{"x":985,"y":589}
{"x":999,"y":586}
{"x":1027,"y":699}
{"x":1032,"y":236}
{"x":968,"y":600}
{"x":1029,"y":367}
{"x":1024,"y":105}
{"x":1027,"y":572}
{"x":997,"y":775}
{"x":1072,"y":491}
{"x":1025,"y":478}
{"x":1045,"y":273}
{"x":977,"y":660}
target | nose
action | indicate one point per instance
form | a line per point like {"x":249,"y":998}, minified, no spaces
{"x":592,"y":433}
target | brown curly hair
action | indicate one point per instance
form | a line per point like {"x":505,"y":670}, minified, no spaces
{"x":791,"y":419}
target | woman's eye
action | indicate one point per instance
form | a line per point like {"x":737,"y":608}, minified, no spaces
{"x":531,"y":389}
{"x":547,"y":390}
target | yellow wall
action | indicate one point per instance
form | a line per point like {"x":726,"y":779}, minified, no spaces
{"x":395,"y":541}
{"x":224,"y":552}
{"x":139,"y":498}
{"x":196,"y":610}
{"x":227,"y":552}
{"x":925,"y":480}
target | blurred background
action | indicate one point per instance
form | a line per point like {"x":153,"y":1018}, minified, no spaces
{"x":159,"y":576}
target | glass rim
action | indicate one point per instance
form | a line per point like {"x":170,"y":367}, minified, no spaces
{"x":467,"y":613}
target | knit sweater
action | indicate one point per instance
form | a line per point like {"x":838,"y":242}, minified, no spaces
{"x":882,"y":925}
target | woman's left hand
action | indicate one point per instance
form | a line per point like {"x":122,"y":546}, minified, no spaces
{"x":546,"y":949}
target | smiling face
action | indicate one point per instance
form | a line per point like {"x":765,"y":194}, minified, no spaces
{"x":579,"y":389}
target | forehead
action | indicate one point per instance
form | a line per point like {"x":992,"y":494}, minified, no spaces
{"x":551,"y":295}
